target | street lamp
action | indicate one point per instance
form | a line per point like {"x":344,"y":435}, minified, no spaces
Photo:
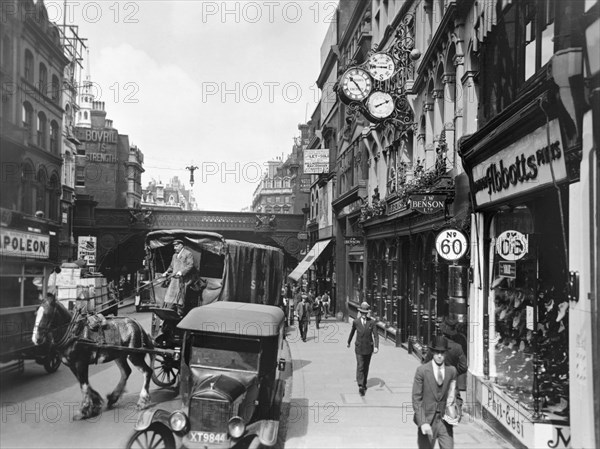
{"x":191,"y":168}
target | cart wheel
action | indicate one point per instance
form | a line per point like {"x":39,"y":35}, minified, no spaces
{"x":154,"y":437}
{"x":52,"y":361}
{"x":165,"y":370}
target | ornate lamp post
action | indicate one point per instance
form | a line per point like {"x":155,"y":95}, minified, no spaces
{"x":191,"y":168}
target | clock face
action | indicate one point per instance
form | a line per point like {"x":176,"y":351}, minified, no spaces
{"x":380,"y":104}
{"x":356,"y":84}
{"x":381,"y":66}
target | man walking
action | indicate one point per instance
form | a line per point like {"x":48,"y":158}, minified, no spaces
{"x":433,"y":391}
{"x":367,"y":343}
{"x":455,"y":357}
{"x":326,"y":304}
{"x":303,"y":314}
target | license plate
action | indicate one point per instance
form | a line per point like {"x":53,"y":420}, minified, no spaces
{"x":206,"y":437}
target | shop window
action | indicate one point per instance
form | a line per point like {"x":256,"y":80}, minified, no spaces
{"x":80,"y":176}
{"x":56,"y":89}
{"x":43,"y":80}
{"x":527,"y":287}
{"x":40,"y":192}
{"x":11,"y":292}
{"x":28,"y":72}
{"x":27,"y":192}
{"x":7,"y":54}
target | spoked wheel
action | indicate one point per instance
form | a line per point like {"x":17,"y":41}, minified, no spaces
{"x":154,"y":437}
{"x":52,"y":361}
{"x":165,"y":370}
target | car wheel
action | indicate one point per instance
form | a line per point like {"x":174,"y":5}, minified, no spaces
{"x":154,"y":437}
{"x":165,"y":370}
{"x":52,"y":361}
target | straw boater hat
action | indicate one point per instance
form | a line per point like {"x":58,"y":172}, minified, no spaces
{"x":439,"y":344}
{"x":364,"y":307}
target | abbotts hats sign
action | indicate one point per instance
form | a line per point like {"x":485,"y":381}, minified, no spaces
{"x":427,"y":204}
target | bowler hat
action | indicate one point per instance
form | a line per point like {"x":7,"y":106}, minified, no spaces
{"x":364,"y":307}
{"x":439,"y":344}
{"x":448,"y":326}
{"x":176,"y":241}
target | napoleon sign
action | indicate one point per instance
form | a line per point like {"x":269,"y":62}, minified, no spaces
{"x":451,"y":244}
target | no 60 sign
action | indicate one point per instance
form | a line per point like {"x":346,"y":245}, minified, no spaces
{"x":451,"y":244}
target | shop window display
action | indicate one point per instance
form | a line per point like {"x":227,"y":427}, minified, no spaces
{"x":530,"y":311}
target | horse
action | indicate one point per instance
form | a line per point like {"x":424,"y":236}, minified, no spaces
{"x":71,"y":334}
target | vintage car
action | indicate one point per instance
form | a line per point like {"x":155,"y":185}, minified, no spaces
{"x":231,"y":383}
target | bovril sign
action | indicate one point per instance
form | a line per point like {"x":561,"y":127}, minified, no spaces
{"x":427,"y":204}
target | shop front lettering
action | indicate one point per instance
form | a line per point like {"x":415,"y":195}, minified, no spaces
{"x":506,"y":414}
{"x":501,"y":176}
{"x":559,"y":436}
{"x":23,"y":245}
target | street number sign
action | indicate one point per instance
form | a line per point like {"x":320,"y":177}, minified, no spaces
{"x":451,"y":244}
{"x":512,"y":245}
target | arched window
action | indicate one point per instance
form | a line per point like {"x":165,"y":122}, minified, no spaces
{"x":28,"y":66}
{"x":27,"y":180}
{"x":27,"y":115}
{"x":6,"y":54}
{"x":55,"y":89}
{"x":54,"y":135}
{"x":53,"y":196}
{"x":41,"y":130}
{"x":85,"y":115}
{"x":40,"y":188}
{"x":43,"y":80}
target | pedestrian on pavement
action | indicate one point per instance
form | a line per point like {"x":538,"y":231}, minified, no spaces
{"x":303,"y":314}
{"x":318,"y":310}
{"x":455,"y":357}
{"x":326,"y":304}
{"x":367,"y":343}
{"x":181,"y":270}
{"x":433,"y":391}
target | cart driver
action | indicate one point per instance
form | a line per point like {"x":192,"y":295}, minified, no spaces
{"x":181,"y":271}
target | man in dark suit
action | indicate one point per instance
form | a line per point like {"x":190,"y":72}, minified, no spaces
{"x":433,"y":393}
{"x":303,"y":314}
{"x":367,"y":343}
{"x":455,"y":357}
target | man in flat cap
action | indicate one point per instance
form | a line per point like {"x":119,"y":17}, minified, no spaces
{"x":181,"y":270}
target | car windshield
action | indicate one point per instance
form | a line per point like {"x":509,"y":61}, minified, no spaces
{"x":224,"y":352}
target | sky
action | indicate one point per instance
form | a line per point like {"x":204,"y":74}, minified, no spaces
{"x":221,"y":85}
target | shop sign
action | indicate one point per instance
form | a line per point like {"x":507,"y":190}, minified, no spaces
{"x":521,"y":167}
{"x":316,"y":161}
{"x":427,"y":204}
{"x":395,"y":206}
{"x":508,"y":414}
{"x":24,"y":244}
{"x":305,"y":184}
{"x":353,"y":241}
{"x":86,"y":249}
{"x":451,"y":244}
{"x":303,"y":236}
{"x":96,"y":135}
{"x":101,"y":157}
{"x":507,"y":269}
{"x":512,"y":245}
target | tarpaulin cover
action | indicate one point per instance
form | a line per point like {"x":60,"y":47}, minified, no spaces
{"x":253,"y":273}
{"x":309,"y":259}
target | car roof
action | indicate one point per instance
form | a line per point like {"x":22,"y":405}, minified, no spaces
{"x":237,"y":318}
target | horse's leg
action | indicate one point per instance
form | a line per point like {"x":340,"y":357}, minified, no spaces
{"x":118,"y":391}
{"x":139,"y":362}
{"x":92,"y":401}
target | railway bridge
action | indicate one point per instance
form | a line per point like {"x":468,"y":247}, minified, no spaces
{"x":120,"y":233}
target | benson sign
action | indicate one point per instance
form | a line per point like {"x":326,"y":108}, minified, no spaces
{"x":427,"y":204}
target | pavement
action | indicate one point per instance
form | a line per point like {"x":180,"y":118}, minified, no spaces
{"x":325,"y":409}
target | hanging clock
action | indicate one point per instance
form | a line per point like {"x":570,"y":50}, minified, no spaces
{"x":380,"y":105}
{"x":355,"y":85}
{"x":381,"y":66}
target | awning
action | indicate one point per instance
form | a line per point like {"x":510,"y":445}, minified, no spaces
{"x":309,"y":259}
